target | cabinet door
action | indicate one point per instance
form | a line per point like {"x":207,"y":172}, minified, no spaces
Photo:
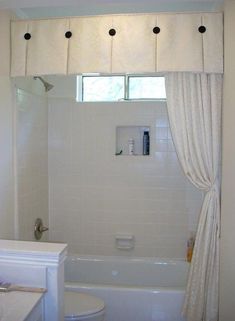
{"x":90,"y":45}
{"x":213,"y":42}
{"x":179,"y":43}
{"x":18,"y":47}
{"x":47,"y":48}
{"x":37,"y":314}
{"x":133,"y":45}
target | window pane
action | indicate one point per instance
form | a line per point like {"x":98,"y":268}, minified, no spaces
{"x":147,"y":88}
{"x":103,"y":88}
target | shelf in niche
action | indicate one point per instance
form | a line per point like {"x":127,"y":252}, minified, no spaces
{"x":124,"y":133}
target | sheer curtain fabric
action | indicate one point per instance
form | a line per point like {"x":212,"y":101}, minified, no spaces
{"x":194,"y":108}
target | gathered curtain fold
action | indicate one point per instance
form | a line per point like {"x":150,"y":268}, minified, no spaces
{"x":194,"y":107}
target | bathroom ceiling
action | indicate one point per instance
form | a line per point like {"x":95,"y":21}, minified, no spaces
{"x":57,"y":8}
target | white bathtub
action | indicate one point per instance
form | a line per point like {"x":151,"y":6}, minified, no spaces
{"x":142,"y":289}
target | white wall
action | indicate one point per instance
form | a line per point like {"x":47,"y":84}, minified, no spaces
{"x":32,"y":156}
{"x":6,"y":119}
{"x":40,"y":9}
{"x":227,"y":275}
{"x":95,"y":194}
{"x":11,"y":213}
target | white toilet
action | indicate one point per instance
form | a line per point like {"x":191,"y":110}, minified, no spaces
{"x":81,"y":306}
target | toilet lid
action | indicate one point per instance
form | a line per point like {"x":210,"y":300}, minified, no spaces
{"x":81,"y":304}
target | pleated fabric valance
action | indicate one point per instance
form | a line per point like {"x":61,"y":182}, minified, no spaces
{"x":139,"y":43}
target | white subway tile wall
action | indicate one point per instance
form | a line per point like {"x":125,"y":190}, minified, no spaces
{"x":94,"y":194}
{"x":32,"y":161}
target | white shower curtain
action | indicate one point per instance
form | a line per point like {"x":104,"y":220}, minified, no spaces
{"x":194,"y":108}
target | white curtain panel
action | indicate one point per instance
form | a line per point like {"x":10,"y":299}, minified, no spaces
{"x":194,"y":108}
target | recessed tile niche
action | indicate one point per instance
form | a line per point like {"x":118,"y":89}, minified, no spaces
{"x":131,"y":134}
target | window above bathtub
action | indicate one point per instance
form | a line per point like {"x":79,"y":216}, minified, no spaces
{"x":111,"y":88}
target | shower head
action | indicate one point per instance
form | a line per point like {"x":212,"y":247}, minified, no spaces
{"x":46,"y":84}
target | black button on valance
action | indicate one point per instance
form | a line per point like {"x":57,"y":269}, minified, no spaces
{"x":156,"y":30}
{"x":27,"y":36}
{"x":202,"y":29}
{"x":68,"y":34}
{"x":112,"y":32}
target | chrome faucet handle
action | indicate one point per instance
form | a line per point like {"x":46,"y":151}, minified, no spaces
{"x":39,"y":229}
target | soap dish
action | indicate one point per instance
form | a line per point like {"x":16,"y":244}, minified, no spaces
{"x":125,"y":241}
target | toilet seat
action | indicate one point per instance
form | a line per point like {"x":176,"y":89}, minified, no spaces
{"x":81,"y":305}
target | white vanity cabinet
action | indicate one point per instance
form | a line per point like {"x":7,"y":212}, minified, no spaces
{"x":32,"y":264}
{"x":37,"y":314}
{"x":22,"y":306}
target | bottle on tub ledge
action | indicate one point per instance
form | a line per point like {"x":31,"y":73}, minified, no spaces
{"x":131,"y":146}
{"x":190,"y":246}
{"x":146,"y":143}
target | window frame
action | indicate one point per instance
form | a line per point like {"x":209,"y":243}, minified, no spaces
{"x":80,"y":87}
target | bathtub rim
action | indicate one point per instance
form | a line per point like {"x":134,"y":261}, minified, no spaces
{"x":72,"y":286}
{"x":142,"y":259}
